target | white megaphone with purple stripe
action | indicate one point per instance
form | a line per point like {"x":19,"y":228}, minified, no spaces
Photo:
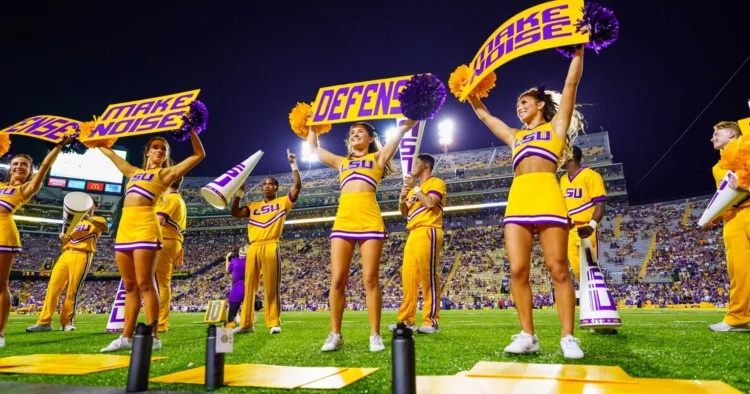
{"x":409,"y":146}
{"x":724,"y":198}
{"x":75,"y":207}
{"x":598,"y":308}
{"x":219,"y":191}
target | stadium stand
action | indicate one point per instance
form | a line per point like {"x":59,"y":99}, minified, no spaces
{"x":473,"y":267}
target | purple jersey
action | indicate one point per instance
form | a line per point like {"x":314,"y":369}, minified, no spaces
{"x":237,"y":268}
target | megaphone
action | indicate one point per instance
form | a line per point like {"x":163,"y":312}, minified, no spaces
{"x":724,"y":198}
{"x":409,"y":146}
{"x":116,"y":322}
{"x":220,"y":190}
{"x":75,"y":206}
{"x":598,"y":308}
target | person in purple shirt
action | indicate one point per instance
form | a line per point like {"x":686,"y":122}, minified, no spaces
{"x":236,"y":267}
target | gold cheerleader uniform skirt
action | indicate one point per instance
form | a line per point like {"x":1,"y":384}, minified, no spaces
{"x":358,"y":218}
{"x":534,"y":199}
{"x":139,"y":229}
{"x":10,"y":239}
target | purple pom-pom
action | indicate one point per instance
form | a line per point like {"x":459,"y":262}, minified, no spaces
{"x":422,"y":97}
{"x":75,"y":146}
{"x":196,"y":118}
{"x":603,"y":28}
{"x":568,"y":51}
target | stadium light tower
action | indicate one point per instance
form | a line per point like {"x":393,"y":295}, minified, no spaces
{"x":307,"y":155}
{"x":445,"y":132}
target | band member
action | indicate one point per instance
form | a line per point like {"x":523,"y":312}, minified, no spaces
{"x":20,"y":186}
{"x":139,"y":236}
{"x":264,"y":226}
{"x":422,"y":206}
{"x":71,"y":269}
{"x":172,"y":215}
{"x":535,"y":204}
{"x":358,"y":220}
{"x":236,"y":267}
{"x":584,"y":193}
{"x":736,"y":241}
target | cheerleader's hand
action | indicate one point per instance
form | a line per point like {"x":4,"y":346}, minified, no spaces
{"x":733,"y":184}
{"x":61,"y":236}
{"x":409,"y":181}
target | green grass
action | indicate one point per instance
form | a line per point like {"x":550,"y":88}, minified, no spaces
{"x":653,"y":344}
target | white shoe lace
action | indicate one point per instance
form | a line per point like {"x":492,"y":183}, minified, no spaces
{"x":331,"y":338}
{"x":376,"y":340}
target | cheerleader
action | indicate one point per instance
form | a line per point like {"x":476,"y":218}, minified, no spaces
{"x":139,"y":236}
{"x":535,"y":204}
{"x":20,"y":186}
{"x":358,"y":220}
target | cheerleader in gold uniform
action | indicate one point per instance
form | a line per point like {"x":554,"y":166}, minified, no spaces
{"x":172,"y":214}
{"x":535,"y":204}
{"x":736,"y":240}
{"x":20,"y":186}
{"x":358,"y":220}
{"x":71,"y":270}
{"x":139,"y":236}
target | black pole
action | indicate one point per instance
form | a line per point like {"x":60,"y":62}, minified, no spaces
{"x":214,"y":362}
{"x":404,"y":372}
{"x":140,"y":358}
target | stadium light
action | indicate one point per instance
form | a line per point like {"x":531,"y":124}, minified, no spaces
{"x":307,"y":155}
{"x":445,"y":133}
{"x":390,"y":133}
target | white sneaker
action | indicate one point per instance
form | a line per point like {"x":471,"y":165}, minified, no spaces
{"x":2,"y":341}
{"x":38,"y":328}
{"x":333,"y":342}
{"x":240,"y":330}
{"x":570,"y":347}
{"x":392,"y":327}
{"x":120,"y":343}
{"x":276,"y":330}
{"x":523,"y":343}
{"x":69,"y":327}
{"x":376,"y":343}
{"x":157,"y":344}
{"x":428,"y":329}
{"x":723,"y":327}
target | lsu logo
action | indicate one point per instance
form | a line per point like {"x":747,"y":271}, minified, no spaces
{"x":573,"y":192}
{"x":145,"y":176}
{"x":83,"y":227}
{"x":8,"y":191}
{"x":536,"y":136}
{"x":364,"y":164}
{"x":266,"y":209}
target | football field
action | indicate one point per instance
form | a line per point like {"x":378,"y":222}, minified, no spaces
{"x":659,"y":344}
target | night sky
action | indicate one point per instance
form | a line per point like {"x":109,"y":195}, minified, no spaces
{"x":254,"y":62}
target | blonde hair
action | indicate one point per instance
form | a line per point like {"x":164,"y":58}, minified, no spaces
{"x":551,"y":99}
{"x":729,"y":125}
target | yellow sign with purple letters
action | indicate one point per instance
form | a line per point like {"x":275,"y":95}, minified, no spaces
{"x":353,"y":102}
{"x":50,"y":128}
{"x":547,"y":25}
{"x":147,"y":116}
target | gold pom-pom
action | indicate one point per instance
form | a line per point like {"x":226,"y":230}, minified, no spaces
{"x":298,"y":120}
{"x":86,"y":128}
{"x":4,"y":143}
{"x":735,"y":157}
{"x":462,"y":74}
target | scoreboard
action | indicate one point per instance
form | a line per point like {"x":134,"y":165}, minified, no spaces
{"x":91,"y":171}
